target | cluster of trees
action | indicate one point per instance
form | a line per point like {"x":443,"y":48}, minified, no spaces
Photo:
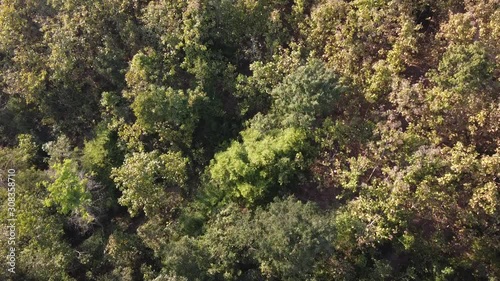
{"x":252,"y":140}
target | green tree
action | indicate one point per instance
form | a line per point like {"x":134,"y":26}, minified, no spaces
{"x":287,"y":240}
{"x":151,"y":182}
{"x":69,"y":191}
{"x":42,"y":253}
{"x":260,"y":166}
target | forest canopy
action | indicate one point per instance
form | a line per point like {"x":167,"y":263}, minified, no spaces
{"x":250,"y":140}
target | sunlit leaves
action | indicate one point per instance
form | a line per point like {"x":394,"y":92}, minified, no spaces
{"x":151,"y":182}
{"x":68,"y":191}
{"x":256,"y":168}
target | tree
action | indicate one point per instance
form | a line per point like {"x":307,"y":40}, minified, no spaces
{"x":256,"y":169}
{"x":287,"y":240}
{"x":68,"y":192}
{"x":42,"y":253}
{"x":151,"y":182}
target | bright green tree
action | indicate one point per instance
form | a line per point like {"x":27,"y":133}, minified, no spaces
{"x":68,"y":193}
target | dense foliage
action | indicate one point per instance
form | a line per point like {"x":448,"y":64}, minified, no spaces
{"x":251,"y":140}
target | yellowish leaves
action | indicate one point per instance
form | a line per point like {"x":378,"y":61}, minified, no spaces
{"x":486,"y":198}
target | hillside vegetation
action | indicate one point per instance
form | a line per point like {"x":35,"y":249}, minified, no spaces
{"x":251,"y":139}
